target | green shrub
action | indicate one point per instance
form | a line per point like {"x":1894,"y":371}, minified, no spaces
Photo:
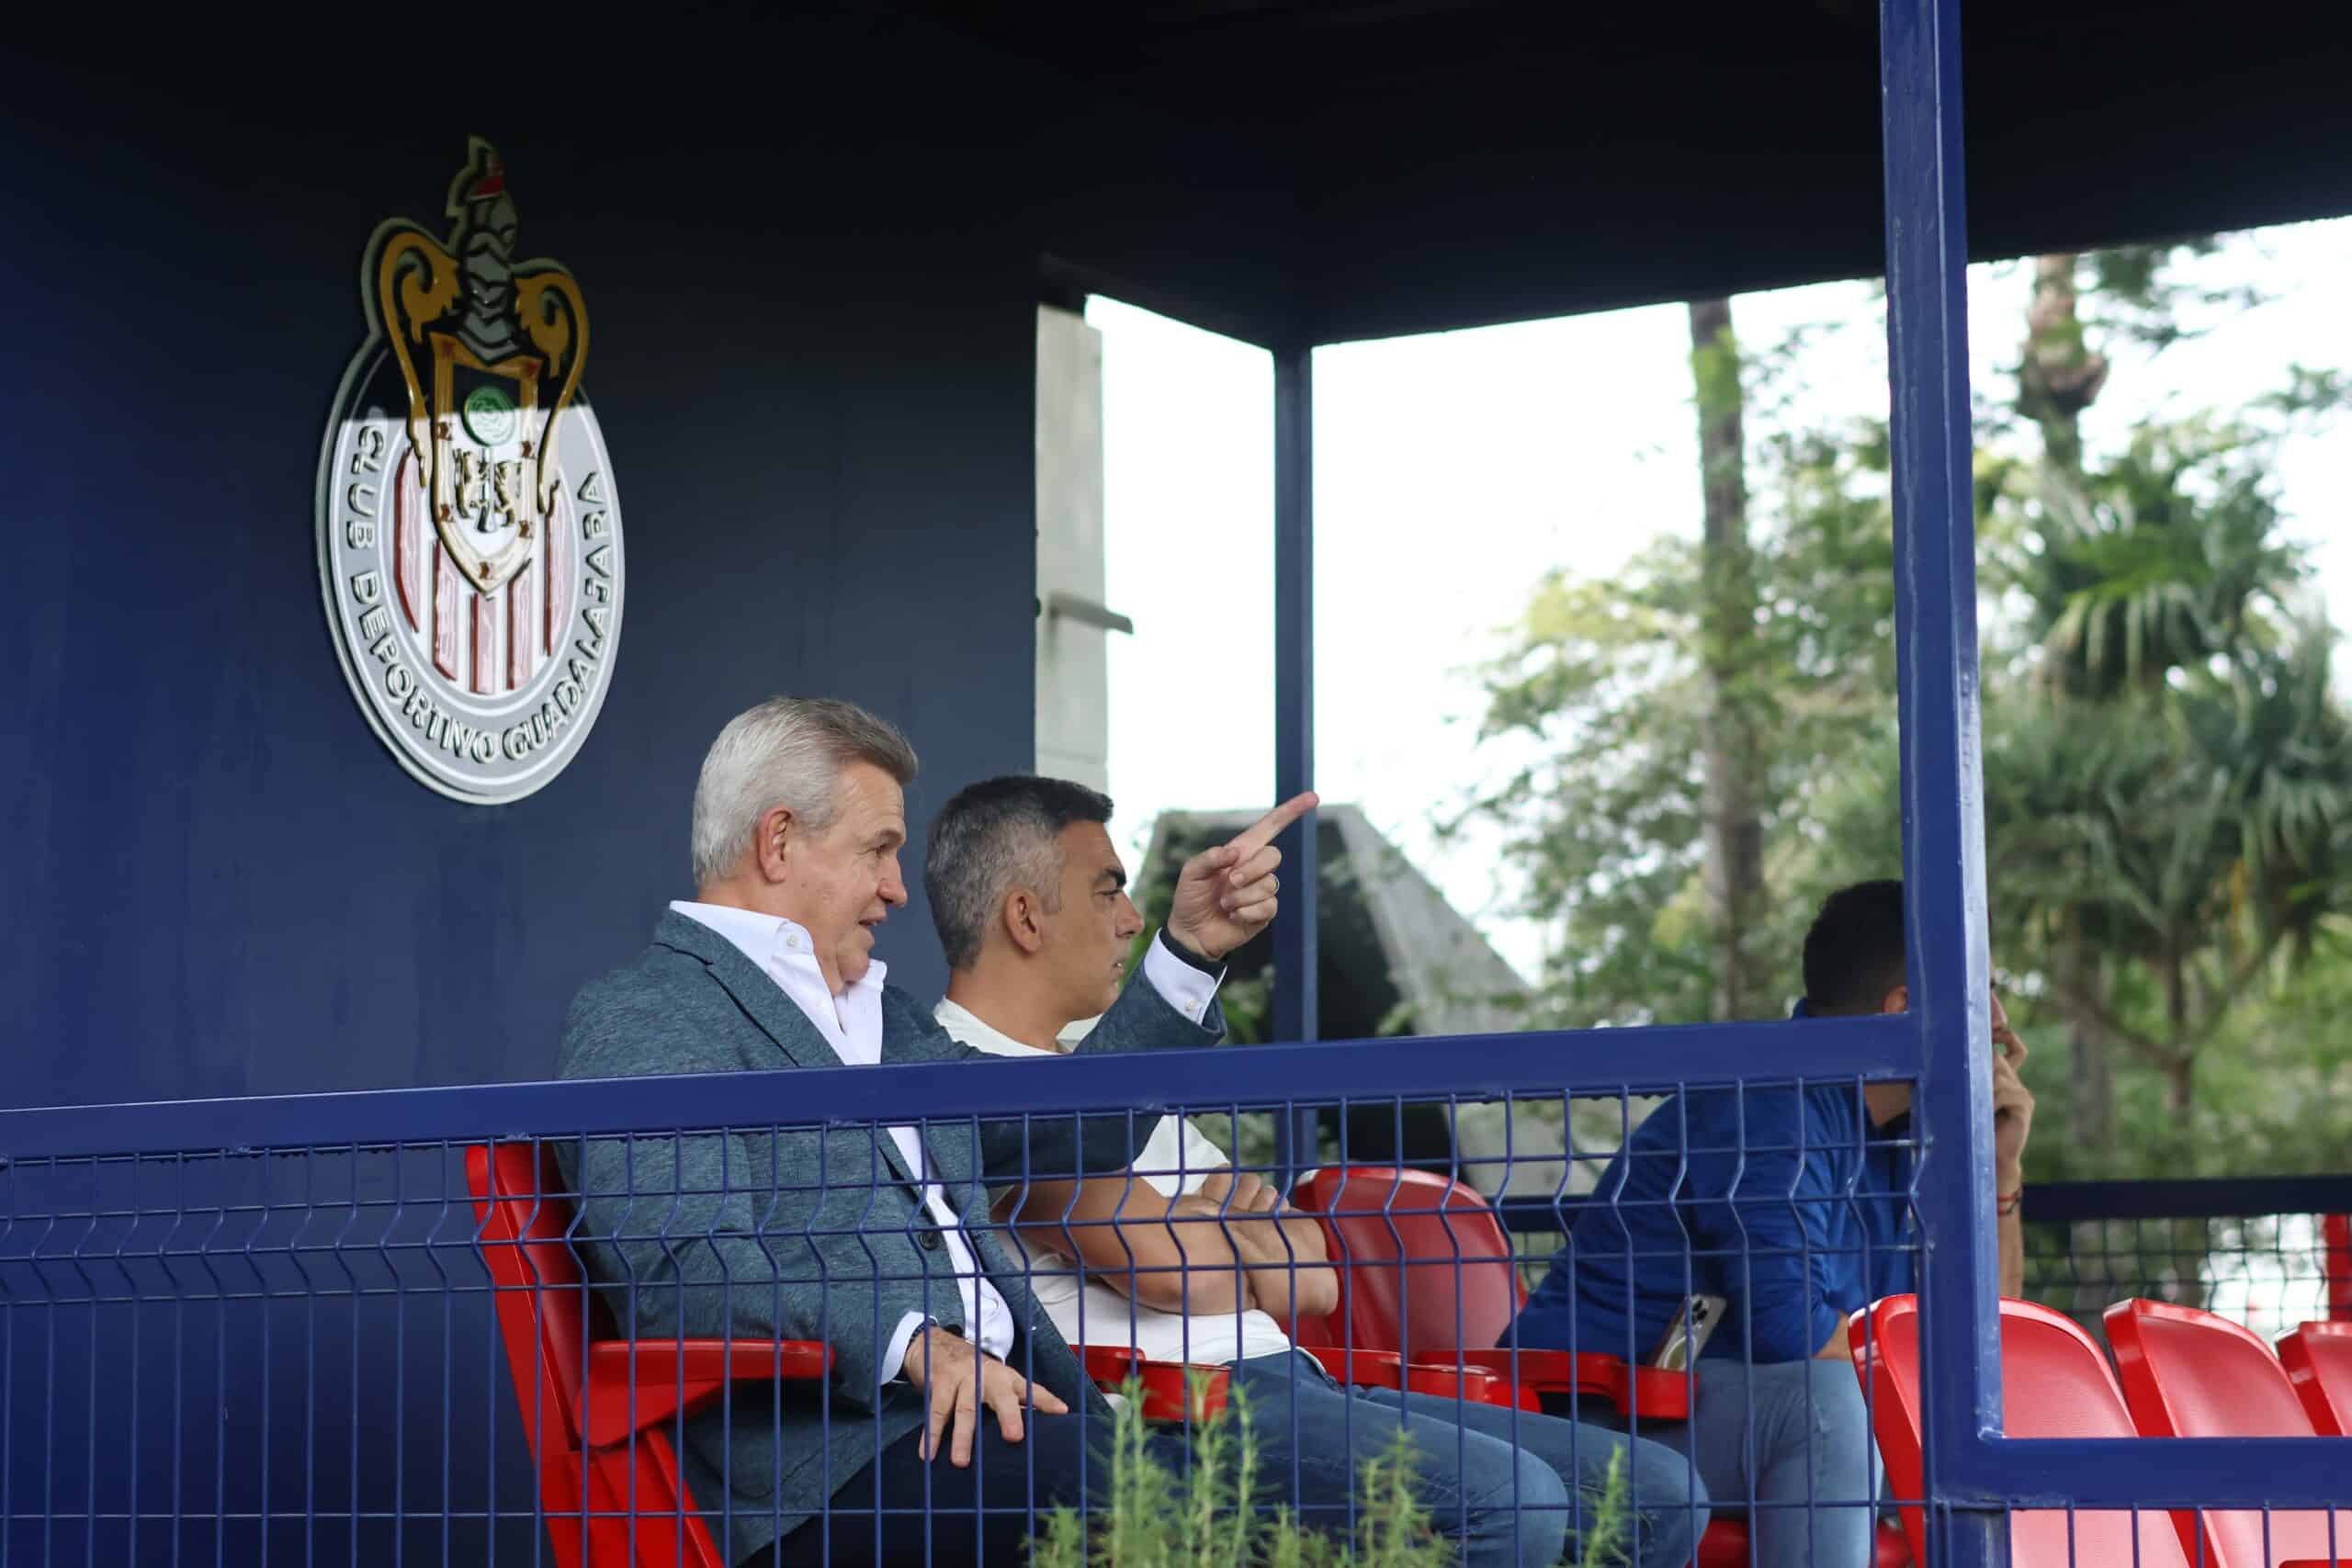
{"x":1208,"y":1518}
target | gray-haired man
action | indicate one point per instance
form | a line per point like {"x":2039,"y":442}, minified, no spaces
{"x":871,"y":1240}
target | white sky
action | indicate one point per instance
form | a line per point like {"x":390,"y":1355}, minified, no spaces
{"x":1452,"y":470}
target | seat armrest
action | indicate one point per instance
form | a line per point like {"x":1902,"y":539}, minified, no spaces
{"x":1360,"y":1369}
{"x":1655,"y":1394}
{"x":1167,"y":1387}
{"x":1473,"y":1385}
{"x":1389,"y":1370}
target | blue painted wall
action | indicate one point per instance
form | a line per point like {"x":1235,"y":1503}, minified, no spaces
{"x":812,"y":246}
{"x":812,"y":362}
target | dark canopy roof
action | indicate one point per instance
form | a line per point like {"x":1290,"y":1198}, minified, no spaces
{"x":1290,"y":171}
{"x":1435,"y":163}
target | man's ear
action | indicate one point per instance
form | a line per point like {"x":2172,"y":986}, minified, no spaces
{"x":1021,"y":923}
{"x":771,"y":840}
{"x":1896,"y":1001}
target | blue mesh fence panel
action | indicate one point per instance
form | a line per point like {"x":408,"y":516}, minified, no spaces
{"x":267,"y":1350}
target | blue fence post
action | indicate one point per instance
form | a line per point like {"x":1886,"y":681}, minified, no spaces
{"x":1296,"y":949}
{"x":1943,"y":837}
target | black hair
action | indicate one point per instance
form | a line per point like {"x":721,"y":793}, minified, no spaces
{"x":1854,"y":953}
{"x":989,"y":837}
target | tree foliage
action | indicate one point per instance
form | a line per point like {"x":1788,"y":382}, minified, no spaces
{"x":1607,"y":823}
{"x":2168,"y":762}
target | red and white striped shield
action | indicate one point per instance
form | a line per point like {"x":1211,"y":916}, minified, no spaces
{"x":469,"y":536}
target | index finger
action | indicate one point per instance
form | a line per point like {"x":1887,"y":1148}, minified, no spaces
{"x":1261,"y":832}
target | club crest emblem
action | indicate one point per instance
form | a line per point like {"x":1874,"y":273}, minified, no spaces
{"x":469,"y":533}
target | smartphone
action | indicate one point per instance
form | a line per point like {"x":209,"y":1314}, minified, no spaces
{"x":1689,"y":1333}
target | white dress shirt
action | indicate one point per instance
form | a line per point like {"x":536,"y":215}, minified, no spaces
{"x":851,"y":1023}
{"x":1175,"y":1161}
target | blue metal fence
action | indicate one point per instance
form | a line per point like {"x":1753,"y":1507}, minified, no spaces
{"x":262,"y":1330}
{"x":268,"y":1330}
{"x":2252,"y":1249}
{"x":1974,"y":1474}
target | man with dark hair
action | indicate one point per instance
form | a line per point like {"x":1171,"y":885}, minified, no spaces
{"x":1790,"y":1205}
{"x":1854,"y":956}
{"x":992,"y":833}
{"x":1180,"y":1257}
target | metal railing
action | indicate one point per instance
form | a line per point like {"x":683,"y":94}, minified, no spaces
{"x":2265,"y":1251}
{"x":269,"y":1330}
{"x":2255,"y":1250}
{"x":263,"y":1330}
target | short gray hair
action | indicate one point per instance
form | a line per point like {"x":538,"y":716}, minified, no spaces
{"x":995,"y":836}
{"x":786,"y":751}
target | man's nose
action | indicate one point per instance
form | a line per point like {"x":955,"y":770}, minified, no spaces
{"x":1130,"y":919}
{"x":894,"y":884}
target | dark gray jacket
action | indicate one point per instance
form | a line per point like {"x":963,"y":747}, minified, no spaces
{"x":807,"y":1233}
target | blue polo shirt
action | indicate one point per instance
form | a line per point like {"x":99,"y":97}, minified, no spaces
{"x":1783,"y":1200}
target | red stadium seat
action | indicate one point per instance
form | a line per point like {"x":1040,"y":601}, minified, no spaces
{"x":1426,"y":1271}
{"x":2318,"y":1359}
{"x":594,"y":1405}
{"x":2190,"y":1374}
{"x":1427,"y":1264}
{"x":2056,"y":1385}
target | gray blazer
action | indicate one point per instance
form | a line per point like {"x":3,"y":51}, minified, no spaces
{"x":811,"y":1233}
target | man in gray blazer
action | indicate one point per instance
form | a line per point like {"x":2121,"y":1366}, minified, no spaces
{"x":872,"y":1240}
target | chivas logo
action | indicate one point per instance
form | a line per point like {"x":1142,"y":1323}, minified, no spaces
{"x":469,"y":537}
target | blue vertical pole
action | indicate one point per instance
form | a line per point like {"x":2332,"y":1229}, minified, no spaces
{"x":1295,"y":948}
{"x":1943,"y":838}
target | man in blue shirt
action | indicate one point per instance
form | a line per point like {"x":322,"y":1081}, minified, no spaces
{"x":1791,"y":1202}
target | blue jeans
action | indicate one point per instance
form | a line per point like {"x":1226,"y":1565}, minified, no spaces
{"x":1499,"y":1480}
{"x":1788,"y":1444}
